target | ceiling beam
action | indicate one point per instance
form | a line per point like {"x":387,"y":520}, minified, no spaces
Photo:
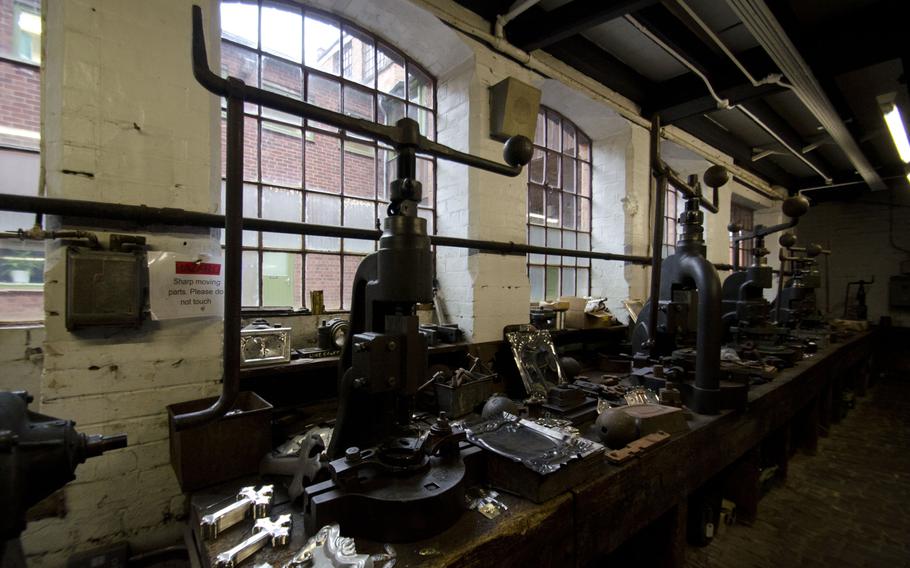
{"x":713,"y":135}
{"x":592,"y":60}
{"x":537,"y":29}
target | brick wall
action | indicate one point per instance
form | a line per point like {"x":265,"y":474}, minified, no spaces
{"x":20,"y":103}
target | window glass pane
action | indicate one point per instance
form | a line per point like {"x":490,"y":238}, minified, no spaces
{"x":552,"y":291}
{"x":569,"y":242}
{"x":362,"y":215}
{"x":282,"y":155}
{"x":428,"y":215}
{"x":424,"y":119}
{"x":584,"y":179}
{"x":21,"y":278}
{"x":584,"y":277}
{"x":425,"y":171}
{"x":540,"y":129}
{"x":350,"y":264}
{"x":323,"y":272}
{"x":553,"y":198}
{"x":535,"y":167}
{"x":537,"y":237}
{"x":420,"y":87}
{"x":323,"y":162}
{"x":325,"y":93}
{"x":568,"y":281}
{"x":536,"y":276}
{"x":358,"y":103}
{"x":584,"y":243}
{"x":281,"y":205}
{"x":568,"y":174}
{"x":568,"y":138}
{"x":554,"y":240}
{"x":359,"y":169}
{"x":387,"y":172}
{"x":584,"y":147}
{"x":322,"y":37}
{"x":285,"y":79}
{"x":535,"y":204}
{"x":390,"y":110}
{"x":281,"y":281}
{"x":240,"y":22}
{"x":552,"y":169}
{"x":584,"y":214}
{"x":281,"y":31}
{"x":390,"y":71}
{"x":554,"y":132}
{"x":250,"y":286}
{"x":358,"y":57}
{"x":323,"y":210}
{"x":568,"y":211}
{"x":250,"y":209}
{"x":242,"y":64}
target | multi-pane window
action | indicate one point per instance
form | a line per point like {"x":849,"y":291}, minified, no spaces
{"x":745,"y":218}
{"x":671,"y":221}
{"x":21,"y":262}
{"x":305,"y":171}
{"x":559,"y":207}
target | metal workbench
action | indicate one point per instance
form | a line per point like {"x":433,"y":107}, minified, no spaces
{"x":642,"y":501}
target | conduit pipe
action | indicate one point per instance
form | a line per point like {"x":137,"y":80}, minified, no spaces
{"x":765,"y":28}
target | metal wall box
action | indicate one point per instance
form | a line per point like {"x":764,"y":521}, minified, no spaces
{"x":104,"y":288}
{"x":513,"y":109}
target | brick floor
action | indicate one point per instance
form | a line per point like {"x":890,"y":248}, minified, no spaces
{"x":849,"y":505}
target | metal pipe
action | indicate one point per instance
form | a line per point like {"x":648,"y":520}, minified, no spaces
{"x":518,"y":8}
{"x":146,"y":216}
{"x":233,"y":272}
{"x":659,"y":183}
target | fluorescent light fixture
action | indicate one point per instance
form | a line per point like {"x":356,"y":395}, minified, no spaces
{"x":895,"y":123}
{"x":30,"y":23}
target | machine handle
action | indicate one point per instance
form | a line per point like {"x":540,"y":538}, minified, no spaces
{"x":517,"y":151}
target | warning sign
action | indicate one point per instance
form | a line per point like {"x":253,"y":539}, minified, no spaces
{"x":184,"y":287}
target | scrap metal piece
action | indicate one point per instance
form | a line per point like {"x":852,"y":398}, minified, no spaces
{"x":328,"y":549}
{"x":541,"y":449}
{"x":249,"y":500}
{"x":265,"y":531}
{"x":641,"y":396}
{"x":638,"y":446}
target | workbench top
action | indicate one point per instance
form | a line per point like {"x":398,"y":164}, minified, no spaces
{"x":595,"y":517}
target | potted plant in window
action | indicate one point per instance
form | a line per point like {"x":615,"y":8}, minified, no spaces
{"x":17,"y":267}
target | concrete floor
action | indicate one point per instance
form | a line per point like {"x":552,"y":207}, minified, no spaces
{"x":849,"y":505}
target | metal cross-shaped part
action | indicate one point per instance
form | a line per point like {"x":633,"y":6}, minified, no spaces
{"x":249,"y":499}
{"x":329,"y":548}
{"x":277,"y":533}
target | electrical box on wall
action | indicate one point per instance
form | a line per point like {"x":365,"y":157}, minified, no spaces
{"x":899,"y":292}
{"x":513,"y":109}
{"x":104,"y":288}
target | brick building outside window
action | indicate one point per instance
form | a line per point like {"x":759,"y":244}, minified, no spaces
{"x":310,"y":172}
{"x":21,"y":262}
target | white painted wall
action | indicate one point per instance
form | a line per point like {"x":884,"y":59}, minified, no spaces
{"x":857,"y":233}
{"x":119,"y":103}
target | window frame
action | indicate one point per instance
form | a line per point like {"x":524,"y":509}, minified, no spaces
{"x":745,"y":217}
{"x":560,"y":263}
{"x":671,"y":221}
{"x":383,"y":156}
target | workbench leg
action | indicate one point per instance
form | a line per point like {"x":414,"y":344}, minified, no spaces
{"x":661,"y":544}
{"x":742,"y":486}
{"x":805,"y":426}
{"x":825,"y":409}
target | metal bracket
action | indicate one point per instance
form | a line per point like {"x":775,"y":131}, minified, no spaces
{"x":249,"y":499}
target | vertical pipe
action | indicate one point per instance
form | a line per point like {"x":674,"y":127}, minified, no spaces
{"x":233,"y":263}
{"x":780,"y":284}
{"x":657,"y":237}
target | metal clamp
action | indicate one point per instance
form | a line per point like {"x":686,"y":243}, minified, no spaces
{"x":249,"y":499}
{"x":265,"y":531}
